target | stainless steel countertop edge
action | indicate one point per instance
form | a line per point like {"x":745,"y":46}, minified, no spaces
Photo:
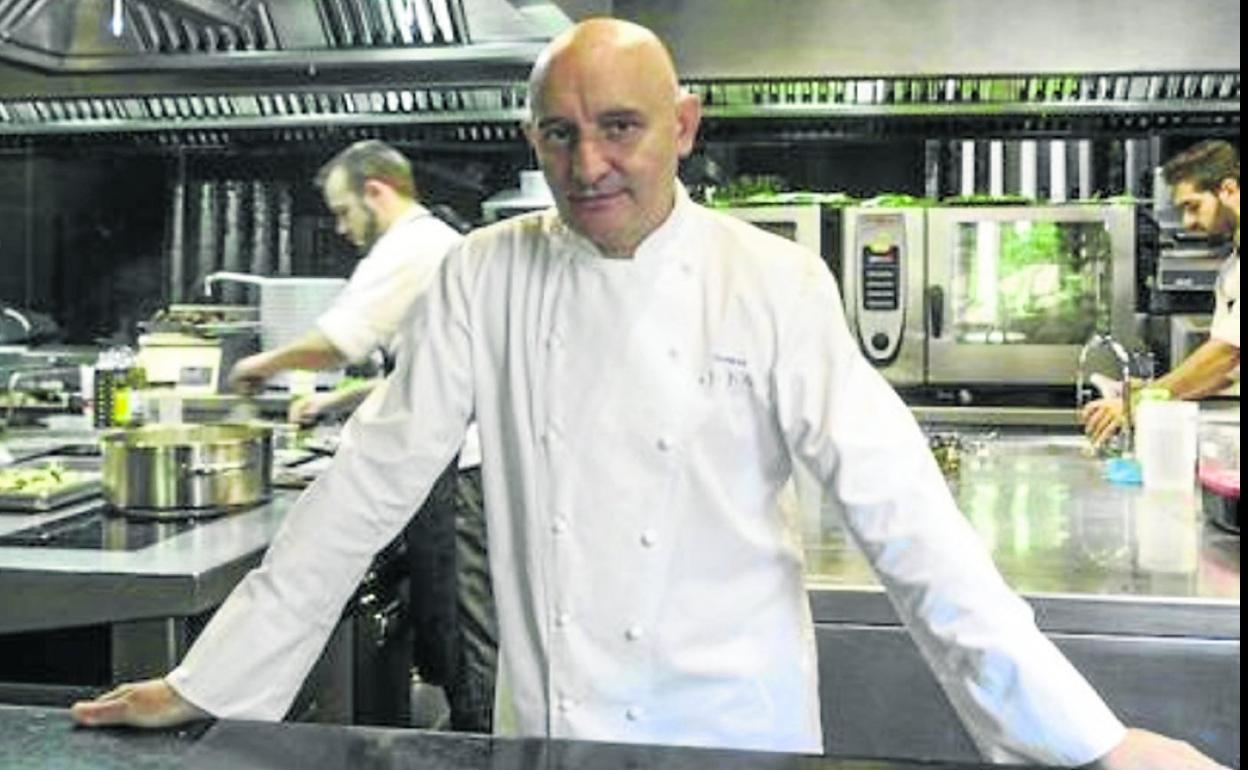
{"x":1056,"y":613}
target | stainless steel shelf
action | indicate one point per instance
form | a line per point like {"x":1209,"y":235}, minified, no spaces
{"x":518,"y":54}
{"x":510,"y":117}
{"x":980,"y":109}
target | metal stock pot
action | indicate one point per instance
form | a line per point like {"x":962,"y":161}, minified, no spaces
{"x":181,"y":469}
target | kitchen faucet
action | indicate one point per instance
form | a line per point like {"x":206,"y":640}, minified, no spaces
{"x":1098,"y":340}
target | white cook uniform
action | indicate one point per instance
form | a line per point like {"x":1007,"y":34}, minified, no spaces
{"x":1225,"y":326}
{"x":638,"y":418}
{"x":400,"y":266}
{"x":398,"y":269}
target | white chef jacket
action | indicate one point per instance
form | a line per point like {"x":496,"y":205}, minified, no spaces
{"x":400,"y":266}
{"x":1226,"y":309}
{"x":1225,"y":325}
{"x":638,"y":418}
{"x":398,"y":269}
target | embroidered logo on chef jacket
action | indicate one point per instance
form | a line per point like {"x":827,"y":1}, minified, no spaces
{"x":727,"y":374}
{"x":734,"y":402}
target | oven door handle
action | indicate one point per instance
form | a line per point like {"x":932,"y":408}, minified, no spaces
{"x":935,"y":311}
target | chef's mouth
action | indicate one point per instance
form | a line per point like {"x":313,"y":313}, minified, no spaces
{"x":596,"y":199}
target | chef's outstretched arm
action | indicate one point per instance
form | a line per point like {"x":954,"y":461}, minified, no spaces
{"x":250,"y":660}
{"x":151,"y":703}
{"x":1020,"y":699}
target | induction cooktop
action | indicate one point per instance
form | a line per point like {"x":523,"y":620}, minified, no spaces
{"x":101,"y":528}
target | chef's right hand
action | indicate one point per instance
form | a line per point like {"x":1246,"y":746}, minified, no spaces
{"x":249,"y":374}
{"x":151,"y":703}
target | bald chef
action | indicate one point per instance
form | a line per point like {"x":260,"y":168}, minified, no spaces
{"x":645,"y":374}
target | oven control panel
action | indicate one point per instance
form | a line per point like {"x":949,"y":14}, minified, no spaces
{"x":879,"y":249}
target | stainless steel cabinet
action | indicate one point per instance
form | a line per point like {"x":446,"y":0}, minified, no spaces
{"x":879,"y":698}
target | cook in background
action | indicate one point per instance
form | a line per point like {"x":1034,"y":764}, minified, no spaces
{"x":645,"y":373}
{"x":370,"y":191}
{"x":1204,"y":185}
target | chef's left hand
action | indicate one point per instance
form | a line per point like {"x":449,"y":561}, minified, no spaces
{"x":1142,"y":750}
{"x":151,"y":703}
{"x":1103,"y":418}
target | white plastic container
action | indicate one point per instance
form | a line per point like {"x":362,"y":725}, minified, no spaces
{"x":289,"y":307}
{"x":1165,"y":444}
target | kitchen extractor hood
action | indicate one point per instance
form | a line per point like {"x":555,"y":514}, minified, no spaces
{"x":86,"y":37}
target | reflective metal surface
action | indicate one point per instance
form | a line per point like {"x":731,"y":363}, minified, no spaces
{"x":47,"y":738}
{"x":168,"y":469}
{"x":1054,"y":526}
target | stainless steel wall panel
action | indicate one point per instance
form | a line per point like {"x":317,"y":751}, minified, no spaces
{"x":232,"y":257}
{"x":261,"y":229}
{"x":175,"y":256}
{"x":285,"y":227}
{"x":208,"y":243}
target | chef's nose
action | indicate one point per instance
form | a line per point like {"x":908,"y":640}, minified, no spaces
{"x":589,"y":161}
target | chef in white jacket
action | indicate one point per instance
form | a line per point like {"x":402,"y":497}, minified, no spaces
{"x":368,"y":188}
{"x":645,"y":374}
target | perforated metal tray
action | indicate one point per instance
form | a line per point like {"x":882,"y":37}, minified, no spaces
{"x":80,"y":486}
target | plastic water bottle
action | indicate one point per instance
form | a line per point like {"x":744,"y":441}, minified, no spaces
{"x":103,"y":387}
{"x":118,"y":380}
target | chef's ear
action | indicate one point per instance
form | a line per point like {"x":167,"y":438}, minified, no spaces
{"x":1228,"y":188}
{"x":688,"y":118}
{"x":374,"y":190}
{"x":529,"y":126}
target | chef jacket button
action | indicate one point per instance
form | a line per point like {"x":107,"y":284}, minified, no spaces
{"x":560,"y":525}
{"x":686,"y":268}
{"x":665,"y":443}
{"x":649,"y":538}
{"x":554,"y":341}
{"x":634,"y":713}
{"x":634,"y":633}
{"x":673,"y":353}
{"x":566,"y":705}
{"x":563,"y":619}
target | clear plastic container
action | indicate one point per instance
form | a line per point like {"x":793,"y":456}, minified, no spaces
{"x":1166,"y":443}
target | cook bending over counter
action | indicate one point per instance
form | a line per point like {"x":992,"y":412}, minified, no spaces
{"x":1204,"y":182}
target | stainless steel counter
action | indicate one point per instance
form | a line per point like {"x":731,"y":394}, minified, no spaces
{"x":1091,"y":557}
{"x":43,"y":738}
{"x":176,"y":577}
{"x":1138,"y":591}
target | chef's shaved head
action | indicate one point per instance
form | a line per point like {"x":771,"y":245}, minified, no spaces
{"x":609,"y":124}
{"x":629,"y":49}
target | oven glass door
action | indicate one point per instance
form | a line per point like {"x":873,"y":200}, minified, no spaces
{"x":800,"y":223}
{"x":1016,"y":291}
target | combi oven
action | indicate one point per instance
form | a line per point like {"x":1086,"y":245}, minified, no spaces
{"x":973,"y":295}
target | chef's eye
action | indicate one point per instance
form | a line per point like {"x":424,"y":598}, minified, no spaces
{"x":620,"y":128}
{"x":557,"y":135}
